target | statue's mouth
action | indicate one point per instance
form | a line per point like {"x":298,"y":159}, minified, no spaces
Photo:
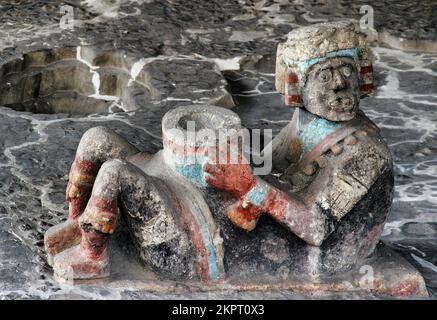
{"x":343,"y":104}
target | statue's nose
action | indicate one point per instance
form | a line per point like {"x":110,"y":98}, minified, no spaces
{"x":338,"y":80}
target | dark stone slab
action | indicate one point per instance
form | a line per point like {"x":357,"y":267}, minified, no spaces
{"x":384,"y":275}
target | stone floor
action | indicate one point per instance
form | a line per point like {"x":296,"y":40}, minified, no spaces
{"x":183,"y":53}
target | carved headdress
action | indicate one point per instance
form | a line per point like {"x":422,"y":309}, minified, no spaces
{"x":312,"y":44}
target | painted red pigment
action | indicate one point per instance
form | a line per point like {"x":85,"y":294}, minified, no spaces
{"x":245,"y":215}
{"x":276,"y":203}
{"x":293,"y":99}
{"x":236,"y":179}
{"x":196,"y":236}
{"x":78,"y":204}
{"x":292,"y":78}
{"x":182,"y":149}
{"x":104,"y":212}
{"x":366,"y":69}
{"x":367,"y":87}
{"x":94,"y":244}
{"x":370,"y":241}
{"x":407,"y":288}
{"x":81,"y":178}
{"x":85,"y":168}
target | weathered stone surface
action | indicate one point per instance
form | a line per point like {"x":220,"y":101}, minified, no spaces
{"x":84,"y":80}
{"x":38,"y":149}
{"x":384,"y":275}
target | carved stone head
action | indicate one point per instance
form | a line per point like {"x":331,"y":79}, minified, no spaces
{"x":332,"y":89}
{"x":324,"y":68}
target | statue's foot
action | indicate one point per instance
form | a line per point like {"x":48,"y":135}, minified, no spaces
{"x":61,"y":237}
{"x":75,"y":263}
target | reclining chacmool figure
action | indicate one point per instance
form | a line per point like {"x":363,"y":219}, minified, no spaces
{"x":321,"y":211}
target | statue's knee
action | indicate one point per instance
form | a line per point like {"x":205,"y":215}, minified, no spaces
{"x":97,"y":134}
{"x":113,"y":166}
{"x":117,"y":171}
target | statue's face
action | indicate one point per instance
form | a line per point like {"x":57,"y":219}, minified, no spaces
{"x":332,"y":89}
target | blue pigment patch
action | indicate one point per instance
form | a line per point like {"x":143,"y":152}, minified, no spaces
{"x":211,"y":250}
{"x":193,"y":172}
{"x":315,"y":132}
{"x":214,"y":273}
{"x":258,"y":193}
{"x":191,"y":167}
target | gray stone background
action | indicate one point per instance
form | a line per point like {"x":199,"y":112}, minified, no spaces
{"x":196,"y":52}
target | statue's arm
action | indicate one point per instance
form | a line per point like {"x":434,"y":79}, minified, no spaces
{"x":313,"y":213}
{"x":256,"y":196}
{"x":304,"y":219}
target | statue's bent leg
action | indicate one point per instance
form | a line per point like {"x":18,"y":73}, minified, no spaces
{"x":97,"y":145}
{"x":151,"y":218}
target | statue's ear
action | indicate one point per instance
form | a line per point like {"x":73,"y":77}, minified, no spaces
{"x":366,"y":78}
{"x":292,"y":94}
{"x":287,"y":81}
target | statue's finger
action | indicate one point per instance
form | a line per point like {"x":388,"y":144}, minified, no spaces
{"x":211,"y":180}
{"x":212,"y":169}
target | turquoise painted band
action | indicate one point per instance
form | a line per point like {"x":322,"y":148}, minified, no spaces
{"x":303,"y":66}
{"x":258,"y":193}
{"x":191,"y":167}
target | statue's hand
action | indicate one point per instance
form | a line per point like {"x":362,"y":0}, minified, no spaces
{"x":244,"y":215}
{"x":236,"y":179}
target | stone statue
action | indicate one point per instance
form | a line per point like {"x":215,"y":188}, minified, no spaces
{"x":318,"y":215}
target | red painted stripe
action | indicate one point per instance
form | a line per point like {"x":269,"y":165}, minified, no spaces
{"x":367,"y":78}
{"x":81,"y":178}
{"x":293,"y":100}
{"x":107,"y":206}
{"x":366,"y":69}
{"x":184,"y":149}
{"x":367,"y":87}
{"x":292,"y":78}
{"x":102,"y":213}
{"x":276,"y":203}
{"x":84,"y":167}
{"x":196,"y":236}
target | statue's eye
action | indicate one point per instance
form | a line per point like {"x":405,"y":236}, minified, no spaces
{"x":347,"y":71}
{"x":325,"y":75}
